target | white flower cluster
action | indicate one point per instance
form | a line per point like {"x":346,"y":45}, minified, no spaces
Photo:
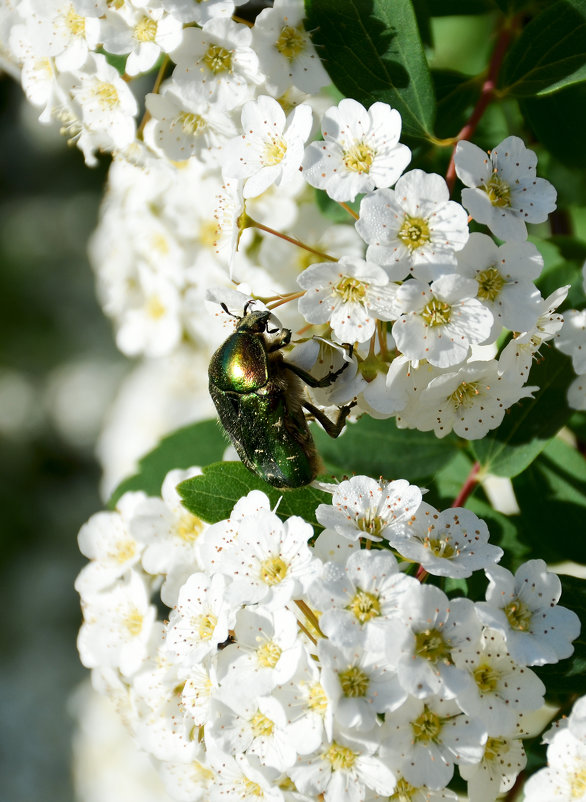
{"x":571,"y":340}
{"x":223,"y":159}
{"x":291,"y":669}
{"x":564,"y":779}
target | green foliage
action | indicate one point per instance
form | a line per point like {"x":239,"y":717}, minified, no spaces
{"x":558,"y":120}
{"x":550,"y":54}
{"x":213,"y":495}
{"x":372,"y":51}
{"x":196,"y":444}
{"x":531,"y":423}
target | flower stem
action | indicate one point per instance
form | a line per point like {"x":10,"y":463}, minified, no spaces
{"x":292,"y":296}
{"x":487,"y":95}
{"x":310,"y":615}
{"x":468,"y":486}
{"x":348,"y":209}
{"x":157,"y":85}
{"x":262,"y":227}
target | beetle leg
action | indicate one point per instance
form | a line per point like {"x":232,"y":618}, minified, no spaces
{"x":280,"y":342}
{"x":333,"y":428}
{"x":311,"y":381}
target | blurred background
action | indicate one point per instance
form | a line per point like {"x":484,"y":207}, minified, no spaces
{"x":59,"y":370}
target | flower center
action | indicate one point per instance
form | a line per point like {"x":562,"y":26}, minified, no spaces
{"x":518,"y":615}
{"x":125,"y":550}
{"x":427,"y":726}
{"x":340,"y":757}
{"x":74,"y":22}
{"x":486,"y":678}
{"x":291,"y":42}
{"x":498,"y":191}
{"x":217,"y":59}
{"x":436,"y":313}
{"x":205,"y":625}
{"x":350,"y":290}
{"x":189,"y":527}
{"x":133,"y":622}
{"x":145,"y":30}
{"x":317,"y":699}
{"x":440,"y":547}
{"x":274,"y":152}
{"x":155,"y":309}
{"x":414,"y":233}
{"x":359,"y":157}
{"x":577,"y":782}
{"x":464,"y":395}
{"x":268,"y":655}
{"x":430,"y":645}
{"x":250,"y":788}
{"x":364,"y":606}
{"x":191,"y":124}
{"x":495,"y":747}
{"x":106,"y":94}
{"x":490,"y":284}
{"x":261,"y":725}
{"x":354,"y":681}
{"x":273,"y":570}
{"x":208,"y":233}
{"x":404,"y":791}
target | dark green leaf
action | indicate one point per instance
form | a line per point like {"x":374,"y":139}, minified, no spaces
{"x":456,"y":95}
{"x":563,"y":265}
{"x":558,"y":121}
{"x":372,"y":51}
{"x":577,"y":424}
{"x":378,"y":448}
{"x":449,"y":479}
{"x":196,"y":444}
{"x":213,"y":495}
{"x":531,"y":423}
{"x":503,"y":532}
{"x":118,"y":62}
{"x":332,"y":209}
{"x":452,"y":8}
{"x":568,"y":677}
{"x":552,"y":496}
{"x":550,"y":54}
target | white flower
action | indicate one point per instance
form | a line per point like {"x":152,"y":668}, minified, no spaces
{"x":440,"y":322}
{"x":183,"y":125}
{"x":350,"y":294}
{"x":429,"y":626}
{"x":56,"y":28}
{"x":241,"y":778}
{"x":270,"y":149}
{"x":356,"y":600}
{"x":202,"y":11}
{"x":360,"y":150}
{"x":285,"y":50}
{"x":362,"y":507}
{"x":117,"y":626}
{"x":571,"y":340}
{"x":142,"y":33}
{"x":505,"y":278}
{"x":430,"y":736}
{"x":496,"y":773}
{"x":501,"y":687}
{"x":218,"y":63}
{"x":449,"y":543}
{"x":505,"y":193}
{"x":415,"y":227}
{"x":524,"y":608}
{"x":563,"y":779}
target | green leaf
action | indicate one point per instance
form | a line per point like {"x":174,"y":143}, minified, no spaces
{"x":504,"y":532}
{"x":552,"y":496}
{"x":558,"y":121}
{"x":531,"y":423}
{"x":332,"y":209}
{"x":372,"y":51}
{"x":196,"y":444}
{"x":452,"y":8}
{"x":118,"y":62}
{"x":568,"y":677}
{"x":213,"y":495}
{"x":456,"y":95}
{"x":378,"y":448}
{"x":550,"y":54}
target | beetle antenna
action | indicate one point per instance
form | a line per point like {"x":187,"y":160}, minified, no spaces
{"x":227,"y":311}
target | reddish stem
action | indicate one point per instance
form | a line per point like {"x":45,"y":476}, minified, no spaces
{"x":468,"y":486}
{"x":485,"y":97}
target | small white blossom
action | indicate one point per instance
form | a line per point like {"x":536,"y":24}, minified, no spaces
{"x":505,"y":193}
{"x":441,"y":321}
{"x":563,"y":779}
{"x":571,"y":340}
{"x":524,"y":608}
{"x":363,"y":507}
{"x":414,"y":228}
{"x":496,"y":773}
{"x":350,"y":294}
{"x":270,"y":149}
{"x":449,"y":543}
{"x":360,"y":150}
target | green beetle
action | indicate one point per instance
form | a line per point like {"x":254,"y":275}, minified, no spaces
{"x":260,"y":401}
